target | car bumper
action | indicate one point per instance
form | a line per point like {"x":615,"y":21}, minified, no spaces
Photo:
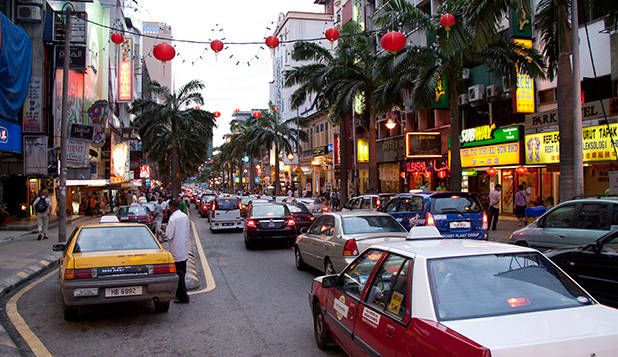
{"x":161,"y":288}
{"x":214,"y":225}
{"x":287,"y":234}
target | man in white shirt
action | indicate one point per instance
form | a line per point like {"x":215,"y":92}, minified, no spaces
{"x":42,"y":206}
{"x":494,"y":207}
{"x":177,"y":234}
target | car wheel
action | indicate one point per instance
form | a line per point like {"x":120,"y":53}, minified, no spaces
{"x":249,"y":245}
{"x":70,"y":313}
{"x":322,"y":337}
{"x":161,"y":306}
{"x":328,"y":267}
{"x":298,"y":260}
{"x":522,"y":243}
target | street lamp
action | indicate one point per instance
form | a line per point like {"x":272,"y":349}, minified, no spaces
{"x":390,"y":124}
{"x":290,"y":156}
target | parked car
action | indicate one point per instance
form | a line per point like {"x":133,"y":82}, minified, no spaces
{"x":455,"y":214}
{"x":269,"y":221}
{"x":367,"y":202}
{"x":301,"y":214}
{"x":94,"y":268}
{"x":335,"y":239}
{"x":594,"y":266}
{"x":458,"y":297}
{"x":570,"y":224}
{"x":225,"y":214}
{"x":134,"y":213}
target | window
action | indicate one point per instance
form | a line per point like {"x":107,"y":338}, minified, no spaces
{"x":317,"y":225}
{"x":455,"y":204}
{"x":226,"y":204}
{"x":311,"y":130}
{"x":610,"y":246}
{"x":561,"y":217}
{"x":391,"y":206}
{"x":269,"y":211}
{"x":99,"y":239}
{"x":390,"y":286}
{"x":547,"y":96}
{"x":322,"y":127}
{"x":356,"y":275}
{"x":327,"y":228}
{"x":594,"y":216}
{"x":132,"y":211}
{"x":357,"y":203}
{"x":410,"y":204}
{"x":370,"y":224}
{"x":366,"y":203}
{"x":297,"y":208}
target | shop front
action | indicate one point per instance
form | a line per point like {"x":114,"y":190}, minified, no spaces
{"x":391,"y":159}
{"x":424,"y":161}
{"x":323,"y":175}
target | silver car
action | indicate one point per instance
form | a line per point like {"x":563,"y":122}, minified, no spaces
{"x":335,"y":239}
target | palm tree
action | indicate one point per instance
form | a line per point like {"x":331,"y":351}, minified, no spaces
{"x":473,"y":41}
{"x":172,"y":131}
{"x":270,"y":132}
{"x":241,"y":139}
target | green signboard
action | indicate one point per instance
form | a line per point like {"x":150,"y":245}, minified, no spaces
{"x":488,"y":135}
{"x":521,"y":20}
{"x":440,"y":92}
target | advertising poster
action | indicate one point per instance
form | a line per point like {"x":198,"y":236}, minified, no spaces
{"x":77,"y":154}
{"x":33,"y":107}
{"x":35,"y":155}
{"x":75,"y":101}
{"x":120,"y":163}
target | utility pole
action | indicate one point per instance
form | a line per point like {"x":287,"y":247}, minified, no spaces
{"x":62,"y":189}
{"x":578,"y":160}
{"x":354,"y":147}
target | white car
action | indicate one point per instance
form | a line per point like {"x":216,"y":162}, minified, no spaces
{"x":225,"y":214}
{"x":454,"y":297}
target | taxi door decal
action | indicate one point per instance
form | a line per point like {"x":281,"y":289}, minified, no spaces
{"x":371,"y":317}
{"x":340,"y":307}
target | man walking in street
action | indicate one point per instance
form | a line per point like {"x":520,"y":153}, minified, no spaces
{"x":158,"y":216}
{"x":177,"y":234}
{"x":42,"y":206}
{"x":494,"y":207}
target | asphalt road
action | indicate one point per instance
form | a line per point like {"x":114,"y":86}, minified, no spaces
{"x":258,"y":308}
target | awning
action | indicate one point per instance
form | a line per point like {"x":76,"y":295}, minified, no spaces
{"x":15,"y":67}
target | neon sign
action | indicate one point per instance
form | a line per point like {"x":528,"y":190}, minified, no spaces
{"x":125,"y":71}
{"x":524,"y":93}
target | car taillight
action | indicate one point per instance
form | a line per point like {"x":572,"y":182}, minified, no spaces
{"x":430,"y":220}
{"x":204,"y":207}
{"x":251,"y":223}
{"x":350,"y":248}
{"x":311,"y":218}
{"x":325,"y":209}
{"x":378,"y":202}
{"x":162,"y":268}
{"x":213,"y":206}
{"x":290,"y":222}
{"x":71,"y":274}
{"x":485,"y":223}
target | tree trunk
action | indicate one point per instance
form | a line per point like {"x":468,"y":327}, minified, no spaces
{"x":455,"y":129}
{"x":251,"y":174}
{"x":343,"y":162}
{"x":175,"y":169}
{"x":241,"y":167}
{"x":276,"y":178}
{"x":373,"y":159}
{"x":564,"y":90}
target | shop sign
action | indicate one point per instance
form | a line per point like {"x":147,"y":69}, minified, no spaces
{"x":590,"y":110}
{"x":120,"y":163}
{"x":524,"y":91}
{"x":423,"y":145}
{"x":427,"y":165}
{"x":35,"y":155}
{"x":144,"y":171}
{"x":440,"y":95}
{"x":78,"y":27}
{"x":320,"y":150}
{"x":33,"y":107}
{"x":77,"y":154}
{"x":99,"y":182}
{"x":125,"y":71}
{"x":491,"y":155}
{"x":488,"y":134}
{"x":389,"y":172}
{"x":81,"y":131}
{"x":10,"y":136}
{"x":362,"y":150}
{"x":544,"y":148}
{"x":97,"y":113}
{"x":521,"y":20}
{"x":392,"y":149}
{"x":77,"y":58}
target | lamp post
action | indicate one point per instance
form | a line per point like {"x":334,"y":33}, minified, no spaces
{"x":578,"y":160}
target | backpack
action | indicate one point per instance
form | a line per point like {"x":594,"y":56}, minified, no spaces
{"x":41,"y":205}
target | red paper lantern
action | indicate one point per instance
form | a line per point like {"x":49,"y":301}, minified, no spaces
{"x":442,"y":174}
{"x":117,"y":38}
{"x":427,"y":174}
{"x":276,"y":108}
{"x":216,"y":114}
{"x":393,"y":41}
{"x":402,"y":175}
{"x":216,"y":46}
{"x":197,"y":107}
{"x":257,"y":115}
{"x":332,"y":34}
{"x":492,"y":172}
{"x":416,"y":174}
{"x":522,"y":170}
{"x":237,"y":110}
{"x":164,"y":52}
{"x":447,"y":20}
{"x":272,"y":42}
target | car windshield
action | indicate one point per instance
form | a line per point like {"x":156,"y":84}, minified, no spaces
{"x":132,"y":211}
{"x":499,"y":284}
{"x":297,"y":208}
{"x":371,"y":224}
{"x":268,"y":211}
{"x":455,"y":204}
{"x":226,"y":204}
{"x":98,"y":239}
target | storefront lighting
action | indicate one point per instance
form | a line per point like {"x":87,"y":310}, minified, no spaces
{"x":442,"y":174}
{"x":427,"y":174}
{"x":390,"y":124}
{"x":522,"y":170}
{"x":324,"y":168}
{"x":492,"y":171}
{"x":290,"y":156}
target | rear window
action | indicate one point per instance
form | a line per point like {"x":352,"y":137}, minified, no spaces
{"x":269,"y":211}
{"x":371,"y":224}
{"x":132,"y":211}
{"x":226,"y":204}
{"x":455,"y":204}
{"x":499,"y":284}
{"x":98,"y":239}
{"x":296,"y":208}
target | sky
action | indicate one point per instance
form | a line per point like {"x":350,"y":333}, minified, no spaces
{"x":228,"y":86}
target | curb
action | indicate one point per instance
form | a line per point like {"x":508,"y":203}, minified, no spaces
{"x":192,"y":279}
{"x":33,"y":227}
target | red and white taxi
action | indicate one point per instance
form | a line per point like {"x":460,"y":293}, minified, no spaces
{"x":445,"y":297}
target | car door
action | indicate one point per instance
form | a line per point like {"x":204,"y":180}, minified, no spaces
{"x":554,"y":228}
{"x":308,"y":246}
{"x":382,"y":317}
{"x":410,"y":211}
{"x":365,"y":203}
{"x":593,"y":221}
{"x":324,"y":245}
{"x":344,"y":300}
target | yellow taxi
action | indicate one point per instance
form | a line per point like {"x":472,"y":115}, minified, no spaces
{"x":115,"y":262}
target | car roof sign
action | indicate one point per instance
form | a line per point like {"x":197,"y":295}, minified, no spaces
{"x":109,"y":219}
{"x":424,"y":232}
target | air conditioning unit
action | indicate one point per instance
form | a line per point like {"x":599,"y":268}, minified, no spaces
{"x":29,"y":13}
{"x":30,"y":2}
{"x":462,"y":100}
{"x":476,"y":93}
{"x":465,"y":73}
{"x":492,"y":91}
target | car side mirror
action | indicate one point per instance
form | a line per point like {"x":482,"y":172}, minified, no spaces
{"x":330,"y":281}
{"x":304,"y":230}
{"x":58,"y":247}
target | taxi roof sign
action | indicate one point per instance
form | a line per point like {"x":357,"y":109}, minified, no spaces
{"x":424,"y":232}
{"x":109,"y":219}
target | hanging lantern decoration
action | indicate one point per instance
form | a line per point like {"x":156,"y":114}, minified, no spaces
{"x":416,"y":174}
{"x":272,"y":42}
{"x":276,"y":108}
{"x":197,"y":107}
{"x":442,"y":174}
{"x":216,"y":114}
{"x":256,"y":115}
{"x":237,"y":111}
{"x":492,"y":171}
{"x":427,"y":174}
{"x":393,"y":42}
{"x":117,"y":38}
{"x":332,"y":34}
{"x":522,"y":170}
{"x":447,"y":21}
{"x":164,"y":52}
{"x":216,"y":46}
{"x":402,"y":175}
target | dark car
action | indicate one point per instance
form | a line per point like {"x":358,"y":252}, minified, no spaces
{"x":594,"y":266}
{"x":301,"y":214}
{"x":271,"y":221}
{"x":134,"y":213}
{"x":205,"y":205}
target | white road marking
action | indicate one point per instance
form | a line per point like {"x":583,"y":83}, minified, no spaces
{"x":210,"y":280}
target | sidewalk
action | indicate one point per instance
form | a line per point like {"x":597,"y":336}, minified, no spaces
{"x":30,"y":223}
{"x":506,"y":226}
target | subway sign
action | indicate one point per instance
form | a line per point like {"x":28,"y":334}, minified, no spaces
{"x":488,"y":135}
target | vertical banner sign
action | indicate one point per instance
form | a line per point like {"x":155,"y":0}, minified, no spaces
{"x":125,"y":71}
{"x":440,"y":98}
{"x":524,"y":93}
{"x":33,"y":107}
{"x":35,"y":155}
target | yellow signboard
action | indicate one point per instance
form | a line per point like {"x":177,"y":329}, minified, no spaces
{"x":491,"y":155}
{"x":544,"y":148}
{"x":524,"y":93}
{"x":362,"y":150}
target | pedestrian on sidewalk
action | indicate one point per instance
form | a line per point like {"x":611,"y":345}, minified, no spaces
{"x":42,"y":206}
{"x":521,"y":202}
{"x":494,"y":207}
{"x":158,"y":216}
{"x":177,"y":234}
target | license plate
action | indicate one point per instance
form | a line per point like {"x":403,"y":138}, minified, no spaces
{"x":228,"y":224}
{"x":271,"y":225}
{"x":459,"y":225}
{"x":123,"y":291}
{"x":124,"y":218}
{"x":85,"y":292}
